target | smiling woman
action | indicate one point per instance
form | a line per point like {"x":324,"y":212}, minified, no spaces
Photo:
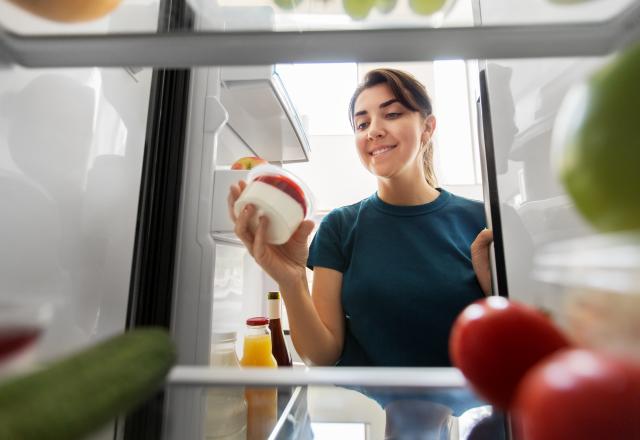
{"x":331,"y":136}
{"x":393,"y":267}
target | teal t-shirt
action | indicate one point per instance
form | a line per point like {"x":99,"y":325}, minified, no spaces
{"x":407,"y":274}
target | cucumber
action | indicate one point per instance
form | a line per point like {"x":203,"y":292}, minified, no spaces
{"x":77,"y":395}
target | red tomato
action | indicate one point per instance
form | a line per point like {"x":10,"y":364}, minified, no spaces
{"x":494,"y":342}
{"x":579,"y":394}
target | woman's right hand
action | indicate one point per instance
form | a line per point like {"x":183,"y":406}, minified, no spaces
{"x":285,"y":263}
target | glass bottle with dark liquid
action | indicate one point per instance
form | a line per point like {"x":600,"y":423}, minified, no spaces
{"x":278,"y":345}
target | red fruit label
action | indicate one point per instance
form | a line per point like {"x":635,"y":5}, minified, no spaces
{"x":288,"y":186}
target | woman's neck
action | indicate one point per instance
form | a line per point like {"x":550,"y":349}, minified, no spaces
{"x":406,"y":193}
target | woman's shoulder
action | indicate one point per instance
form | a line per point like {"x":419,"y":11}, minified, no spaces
{"x":470,"y":208}
{"x":346,"y":213}
{"x":466,"y":203}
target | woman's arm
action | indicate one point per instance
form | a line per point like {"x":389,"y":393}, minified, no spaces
{"x":316,"y":321}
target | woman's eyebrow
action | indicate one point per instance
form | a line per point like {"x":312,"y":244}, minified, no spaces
{"x":383,"y":105}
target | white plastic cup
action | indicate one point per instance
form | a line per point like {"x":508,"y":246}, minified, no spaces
{"x":285,"y":213}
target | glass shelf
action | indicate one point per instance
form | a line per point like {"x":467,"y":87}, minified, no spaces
{"x":368,"y":402}
{"x":141,"y":16}
{"x":259,"y":32}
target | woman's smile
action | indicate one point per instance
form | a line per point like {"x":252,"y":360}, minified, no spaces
{"x":377,"y":151}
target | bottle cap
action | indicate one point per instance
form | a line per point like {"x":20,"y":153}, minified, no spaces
{"x":219,"y":337}
{"x":273,"y":295}
{"x":257,"y":320}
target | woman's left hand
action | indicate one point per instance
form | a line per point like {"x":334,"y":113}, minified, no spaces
{"x":480,"y":259}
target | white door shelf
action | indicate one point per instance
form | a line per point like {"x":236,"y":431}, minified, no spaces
{"x":261,"y":114}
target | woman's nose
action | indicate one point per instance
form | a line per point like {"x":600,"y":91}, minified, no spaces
{"x":375,"y":131}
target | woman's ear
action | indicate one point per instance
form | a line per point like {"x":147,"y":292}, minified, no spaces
{"x":429,"y":127}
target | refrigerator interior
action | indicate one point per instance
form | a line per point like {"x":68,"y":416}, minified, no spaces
{"x":71,"y":156}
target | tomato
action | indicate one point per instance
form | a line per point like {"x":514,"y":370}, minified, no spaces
{"x":494,"y":342}
{"x":579,"y":394}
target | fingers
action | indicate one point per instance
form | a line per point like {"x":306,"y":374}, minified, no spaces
{"x":480,"y":259}
{"x":260,"y":240}
{"x":242,"y":227}
{"x":483,"y":240}
{"x":304,"y":230}
{"x":234,"y":192}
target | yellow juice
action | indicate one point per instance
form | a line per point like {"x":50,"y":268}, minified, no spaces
{"x":262,"y":403}
{"x":256,"y":352}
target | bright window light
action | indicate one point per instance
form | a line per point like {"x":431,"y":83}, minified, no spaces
{"x":454,"y":144}
{"x":321,"y":94}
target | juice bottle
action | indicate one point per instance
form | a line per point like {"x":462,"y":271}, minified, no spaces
{"x":262,"y":402}
{"x":278,"y":345}
{"x":226,"y":415}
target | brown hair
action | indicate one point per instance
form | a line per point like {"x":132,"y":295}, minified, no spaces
{"x":412,"y":94}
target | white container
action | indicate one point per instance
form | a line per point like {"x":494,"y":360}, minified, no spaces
{"x":279,"y":195}
{"x":226,"y":415}
{"x":601,"y":279}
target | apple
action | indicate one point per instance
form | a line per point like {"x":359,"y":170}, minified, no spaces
{"x":385,"y":6}
{"x":68,"y":10}
{"x":358,"y":9}
{"x":287,"y":4}
{"x":596,"y":145}
{"x":426,"y":7}
{"x":247,"y":163}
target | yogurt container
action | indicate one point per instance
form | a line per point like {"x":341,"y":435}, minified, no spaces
{"x":600,"y":278}
{"x":279,"y":195}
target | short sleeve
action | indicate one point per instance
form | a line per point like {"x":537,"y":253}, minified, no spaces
{"x":326,"y":246}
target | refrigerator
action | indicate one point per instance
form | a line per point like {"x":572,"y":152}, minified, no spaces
{"x":116,"y":137}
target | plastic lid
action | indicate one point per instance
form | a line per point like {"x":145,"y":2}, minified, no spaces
{"x":273,"y":295}
{"x":272,"y":170}
{"x":607,"y":261}
{"x":257,"y":320}
{"x":219,"y":337}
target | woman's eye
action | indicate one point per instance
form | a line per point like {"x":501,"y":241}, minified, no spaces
{"x":361,"y":125}
{"x":393,"y":115}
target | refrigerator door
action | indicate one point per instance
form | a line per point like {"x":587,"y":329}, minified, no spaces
{"x":71,"y":153}
{"x":527,"y":205}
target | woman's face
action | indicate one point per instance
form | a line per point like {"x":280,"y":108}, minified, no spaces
{"x":389,"y":135}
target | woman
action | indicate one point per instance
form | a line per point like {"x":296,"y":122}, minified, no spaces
{"x":392,"y":271}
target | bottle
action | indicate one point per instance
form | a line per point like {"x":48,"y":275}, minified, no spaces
{"x":262,"y":402}
{"x":278,"y":344}
{"x":226,"y":414}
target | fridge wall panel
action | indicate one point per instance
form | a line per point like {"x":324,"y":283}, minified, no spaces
{"x":222,"y":180}
{"x":71,"y":150}
{"x":524,"y":97}
{"x":195,"y":252}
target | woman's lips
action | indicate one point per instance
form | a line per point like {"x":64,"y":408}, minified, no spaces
{"x":382,"y":150}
